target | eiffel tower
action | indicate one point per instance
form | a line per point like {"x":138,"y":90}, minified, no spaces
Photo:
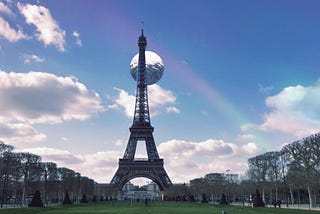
{"x":141,"y":130}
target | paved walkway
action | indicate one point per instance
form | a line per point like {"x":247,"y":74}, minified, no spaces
{"x":284,"y":206}
{"x":299,"y":207}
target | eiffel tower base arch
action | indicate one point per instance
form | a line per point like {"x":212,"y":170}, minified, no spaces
{"x":130,"y":169}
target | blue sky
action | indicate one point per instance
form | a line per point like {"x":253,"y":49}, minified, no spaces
{"x":241,"y":78}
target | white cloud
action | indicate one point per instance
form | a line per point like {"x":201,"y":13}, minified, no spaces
{"x":30,"y":58}
{"x":158,"y":99}
{"x":295,"y":110}
{"x":119,"y":142}
{"x":100,"y":165}
{"x":38,"y":97}
{"x":19,"y":132}
{"x":187,"y":160}
{"x":48,"y":30}
{"x":204,"y":148}
{"x":250,"y":148}
{"x":124,"y":102}
{"x":246,"y":137}
{"x":77,"y":36}
{"x":61,"y":157}
{"x":9,"y":33}
{"x":173,"y":109}
{"x":5,"y":9}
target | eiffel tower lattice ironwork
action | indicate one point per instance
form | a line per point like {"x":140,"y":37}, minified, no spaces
{"x":141,"y":130}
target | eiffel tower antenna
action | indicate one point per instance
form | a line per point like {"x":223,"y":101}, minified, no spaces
{"x":142,"y":131}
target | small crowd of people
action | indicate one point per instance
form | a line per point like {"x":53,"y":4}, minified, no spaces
{"x":276,"y":203}
{"x":146,"y":201}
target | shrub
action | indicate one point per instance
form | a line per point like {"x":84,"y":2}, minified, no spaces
{"x":223,"y":199}
{"x":66,"y":199}
{"x":204,"y":198}
{"x":258,"y":200}
{"x":36,"y":200}
{"x":191,"y":198}
{"x":84,"y":198}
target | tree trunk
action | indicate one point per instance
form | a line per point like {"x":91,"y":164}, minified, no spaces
{"x":299,"y":200}
{"x":271,"y":196}
{"x":24,"y":193}
{"x":45,"y":189}
{"x":263,"y":195}
{"x":310,"y":196}
{"x":3,"y":190}
{"x":291,"y":196}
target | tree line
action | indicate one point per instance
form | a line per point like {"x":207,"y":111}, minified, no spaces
{"x":295,"y":168}
{"x":290,"y":176}
{"x":23,"y":173}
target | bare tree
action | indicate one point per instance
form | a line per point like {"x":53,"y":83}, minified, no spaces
{"x":9,"y":164}
{"x":274,"y":169}
{"x":199,"y":186}
{"x":258,"y":169}
{"x":27,"y":160}
{"x":5,"y":156}
{"x":217,"y":183}
{"x":303,"y":161}
{"x":23,"y":172}
{"x":67,"y":178}
{"x":49,"y":173}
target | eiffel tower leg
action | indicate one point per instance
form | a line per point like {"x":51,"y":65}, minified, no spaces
{"x":151,"y":147}
{"x":131,"y":147}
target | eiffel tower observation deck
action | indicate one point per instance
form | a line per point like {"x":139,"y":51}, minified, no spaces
{"x":141,"y":131}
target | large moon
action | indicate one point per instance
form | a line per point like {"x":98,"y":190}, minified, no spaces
{"x":154,"y":67}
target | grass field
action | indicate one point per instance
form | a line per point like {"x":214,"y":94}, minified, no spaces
{"x":154,"y":207}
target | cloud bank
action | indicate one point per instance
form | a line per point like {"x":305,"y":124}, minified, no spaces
{"x":295,"y":110}
{"x":42,"y":98}
{"x":186,"y":160}
{"x":183,"y":160}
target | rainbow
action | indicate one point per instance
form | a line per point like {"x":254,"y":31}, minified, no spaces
{"x":206,"y":90}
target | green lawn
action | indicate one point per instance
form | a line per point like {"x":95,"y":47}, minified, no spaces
{"x":154,"y":207}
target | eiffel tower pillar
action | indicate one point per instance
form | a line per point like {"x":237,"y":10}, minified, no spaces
{"x":141,"y":130}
